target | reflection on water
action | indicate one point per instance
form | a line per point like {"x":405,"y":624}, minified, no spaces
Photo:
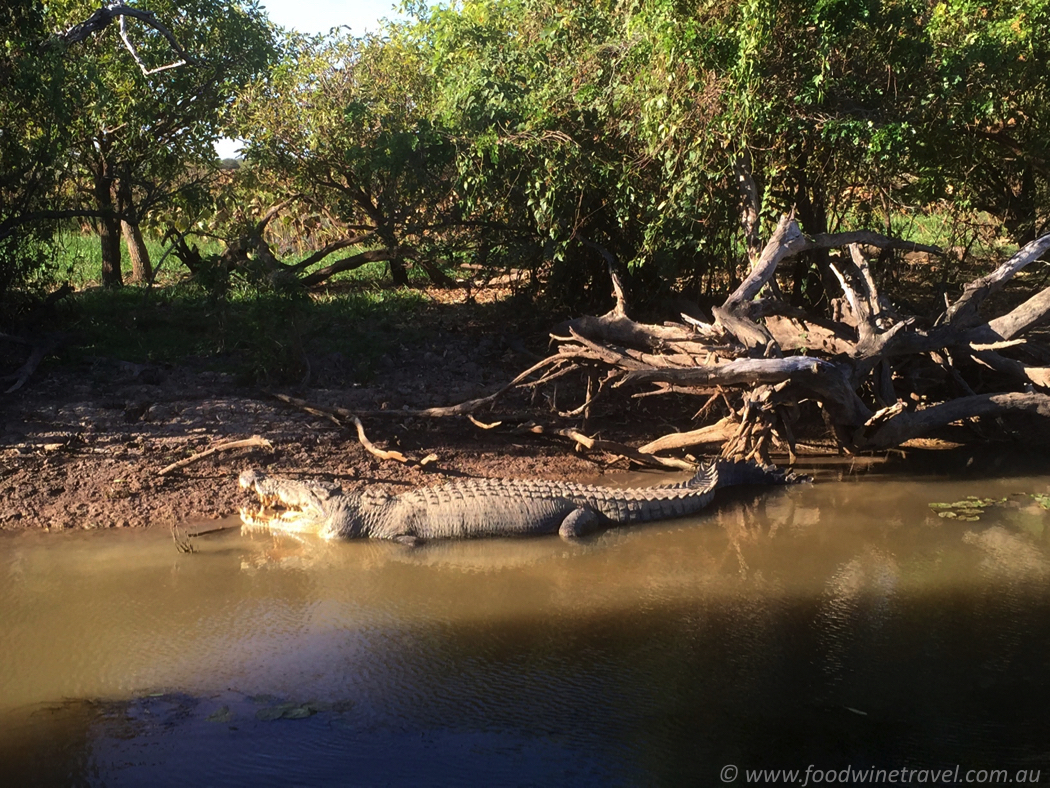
{"x":838,"y":624}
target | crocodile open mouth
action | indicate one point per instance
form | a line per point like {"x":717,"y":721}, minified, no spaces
{"x":276,"y":519}
{"x":275,"y":514}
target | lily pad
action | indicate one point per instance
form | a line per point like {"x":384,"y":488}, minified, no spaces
{"x":285,"y":711}
{"x":966,"y":515}
{"x":222,"y":714}
{"x":968,"y":510}
{"x":983,"y":502}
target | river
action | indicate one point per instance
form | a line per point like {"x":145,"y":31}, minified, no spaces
{"x":833,"y":626}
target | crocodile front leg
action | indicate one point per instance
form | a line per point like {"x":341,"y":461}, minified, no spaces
{"x":579,"y":523}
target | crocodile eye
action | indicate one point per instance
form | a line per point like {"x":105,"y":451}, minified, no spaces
{"x":250,"y":478}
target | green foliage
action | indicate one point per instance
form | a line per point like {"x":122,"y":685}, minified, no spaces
{"x":33,"y":111}
{"x":158,"y":124}
{"x":561,"y":117}
{"x":625,"y":124}
{"x":988,"y":102}
{"x":342,"y":125}
{"x":142,"y":138}
{"x":519,"y":133}
{"x":79,"y":117}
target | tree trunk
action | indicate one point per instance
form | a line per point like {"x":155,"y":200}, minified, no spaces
{"x":387,"y":236}
{"x":813,"y":283}
{"x":141,"y":267}
{"x":398,"y":272}
{"x":108,"y":229}
{"x":750,"y":204}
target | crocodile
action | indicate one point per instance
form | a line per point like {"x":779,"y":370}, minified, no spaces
{"x":485,"y":507}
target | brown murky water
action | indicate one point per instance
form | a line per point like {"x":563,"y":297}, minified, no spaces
{"x":842,"y":624}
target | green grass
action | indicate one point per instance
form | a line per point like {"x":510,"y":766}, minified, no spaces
{"x":979,"y":232}
{"x":79,"y":259}
{"x":261,"y":335}
{"x":79,"y":262}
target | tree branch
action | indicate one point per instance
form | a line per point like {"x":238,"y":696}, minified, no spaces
{"x":7,"y":226}
{"x":330,"y":248}
{"x":135,"y":55}
{"x":104,"y":16}
{"x":347,"y":264}
{"x":901,"y":426}
{"x":963,"y":313}
{"x":254,"y":441}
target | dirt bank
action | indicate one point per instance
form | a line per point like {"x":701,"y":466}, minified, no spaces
{"x":81,"y":444}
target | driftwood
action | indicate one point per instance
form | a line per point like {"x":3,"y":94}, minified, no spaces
{"x":338,"y":416}
{"x":850,"y":366}
{"x":388,"y":455}
{"x":867,"y":366}
{"x":254,"y":441}
{"x":616,"y":450}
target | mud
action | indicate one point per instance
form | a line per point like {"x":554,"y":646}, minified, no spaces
{"x":82,"y":443}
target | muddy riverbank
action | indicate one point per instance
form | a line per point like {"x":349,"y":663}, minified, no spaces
{"x":81,"y":446}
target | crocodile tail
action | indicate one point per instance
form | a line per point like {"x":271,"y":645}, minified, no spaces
{"x":705,"y":478}
{"x":713,"y":474}
{"x":732,"y":473}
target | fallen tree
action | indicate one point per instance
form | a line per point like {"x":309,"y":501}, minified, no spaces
{"x":878,"y":377}
{"x":867,"y":369}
